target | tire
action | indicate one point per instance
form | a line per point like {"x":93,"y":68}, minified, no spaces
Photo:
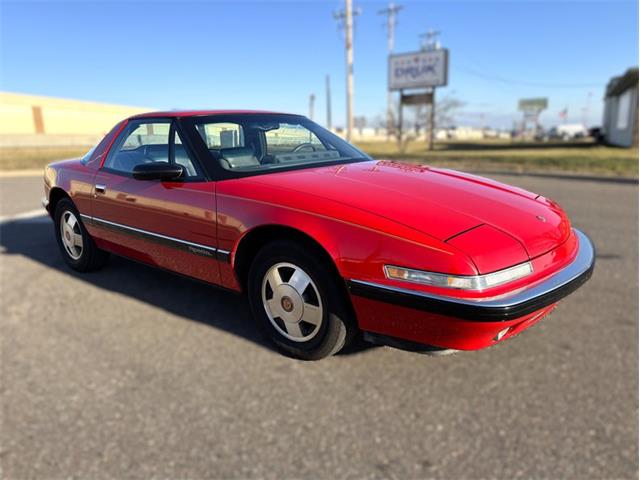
{"x":296,"y":300}
{"x":78,"y":249}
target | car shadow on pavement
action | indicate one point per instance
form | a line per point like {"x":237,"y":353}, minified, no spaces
{"x":193,"y":300}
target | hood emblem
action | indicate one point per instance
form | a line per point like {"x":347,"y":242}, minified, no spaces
{"x":541,"y":218}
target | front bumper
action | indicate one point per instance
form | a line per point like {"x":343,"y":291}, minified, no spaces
{"x":443,"y":321}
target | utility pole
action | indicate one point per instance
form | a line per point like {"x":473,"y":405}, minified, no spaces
{"x":346,"y":19}
{"x":585,"y":110}
{"x":431,"y":43}
{"x":391,"y":11}
{"x":328,"y":95}
{"x":312,"y":99}
{"x":349,"y":48}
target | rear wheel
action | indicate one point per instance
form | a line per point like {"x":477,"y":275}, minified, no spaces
{"x":297,"y":302}
{"x":76,"y":245}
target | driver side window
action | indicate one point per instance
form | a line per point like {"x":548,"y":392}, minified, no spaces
{"x":144,"y":143}
{"x":148,"y":142}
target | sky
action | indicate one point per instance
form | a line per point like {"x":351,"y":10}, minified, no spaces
{"x":273,"y":55}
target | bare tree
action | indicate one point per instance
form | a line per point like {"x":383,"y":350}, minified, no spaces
{"x":446,"y":107}
{"x":399,"y":129}
{"x":415,"y":119}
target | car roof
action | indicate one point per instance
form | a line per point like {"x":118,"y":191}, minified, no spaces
{"x":199,"y":113}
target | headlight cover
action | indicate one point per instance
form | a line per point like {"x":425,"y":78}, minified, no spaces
{"x":460,"y":282}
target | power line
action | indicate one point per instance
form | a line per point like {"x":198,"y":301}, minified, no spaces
{"x":509,"y":81}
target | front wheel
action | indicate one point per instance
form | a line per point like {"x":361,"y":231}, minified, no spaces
{"x":297,"y":302}
{"x":76,"y":245}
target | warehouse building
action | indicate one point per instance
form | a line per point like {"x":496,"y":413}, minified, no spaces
{"x":34,"y":120}
{"x":620,"y":122}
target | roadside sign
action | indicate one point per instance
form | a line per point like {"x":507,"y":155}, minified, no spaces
{"x":532,"y":104}
{"x":419,"y":69}
{"x":417,"y":99}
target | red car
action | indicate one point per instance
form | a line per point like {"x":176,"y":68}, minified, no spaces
{"x":325,"y":241}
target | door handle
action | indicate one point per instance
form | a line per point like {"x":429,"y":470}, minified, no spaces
{"x":100,"y":188}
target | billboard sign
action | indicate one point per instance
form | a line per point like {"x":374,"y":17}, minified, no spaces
{"x":419,"y":69}
{"x":532,"y":104}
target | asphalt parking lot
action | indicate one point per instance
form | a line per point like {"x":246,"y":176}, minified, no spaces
{"x":134,"y":373}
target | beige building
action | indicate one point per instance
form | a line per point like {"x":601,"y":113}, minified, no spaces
{"x":32,"y":120}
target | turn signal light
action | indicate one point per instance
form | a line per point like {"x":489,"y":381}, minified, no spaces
{"x":461,"y":282}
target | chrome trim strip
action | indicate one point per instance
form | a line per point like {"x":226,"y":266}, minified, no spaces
{"x":558,"y":285}
{"x":192,"y":247}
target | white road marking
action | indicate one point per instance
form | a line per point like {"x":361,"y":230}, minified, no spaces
{"x":21,"y":173}
{"x":35,"y":215}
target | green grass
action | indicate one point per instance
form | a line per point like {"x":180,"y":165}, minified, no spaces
{"x":35,"y":158}
{"x":583,"y":157}
{"x":579,"y":157}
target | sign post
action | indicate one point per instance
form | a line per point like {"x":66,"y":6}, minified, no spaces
{"x":432,"y":118}
{"x":531,"y":109}
{"x":419,"y":70}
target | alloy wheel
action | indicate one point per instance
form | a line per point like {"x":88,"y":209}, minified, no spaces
{"x":292,"y":302}
{"x":71,"y":235}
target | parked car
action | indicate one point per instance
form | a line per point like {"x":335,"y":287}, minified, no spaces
{"x":597,"y":134}
{"x":490,"y":133}
{"x":568,"y":132}
{"x":325,"y":241}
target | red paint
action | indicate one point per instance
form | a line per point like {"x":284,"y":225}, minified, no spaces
{"x":365,"y":215}
{"x":487,"y":246}
{"x":437,"y":330}
{"x":182,"y":210}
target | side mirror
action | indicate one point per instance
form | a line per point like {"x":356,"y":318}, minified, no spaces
{"x":157,"y":171}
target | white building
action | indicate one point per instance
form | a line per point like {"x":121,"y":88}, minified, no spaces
{"x":620,"y":120}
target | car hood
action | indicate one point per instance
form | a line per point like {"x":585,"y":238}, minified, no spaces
{"x":441,"y":203}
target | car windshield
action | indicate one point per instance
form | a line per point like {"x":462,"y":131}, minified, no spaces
{"x":260,"y":142}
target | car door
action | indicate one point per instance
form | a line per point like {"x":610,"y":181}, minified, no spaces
{"x":170,"y":224}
